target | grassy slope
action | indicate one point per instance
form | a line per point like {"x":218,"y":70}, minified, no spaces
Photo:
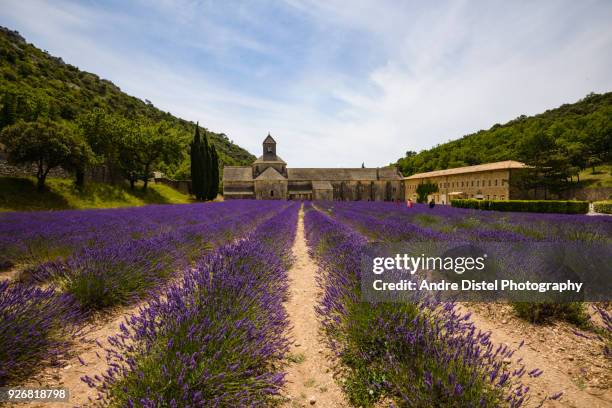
{"x":19,"y":194}
{"x":601,"y":178}
{"x":55,"y":88}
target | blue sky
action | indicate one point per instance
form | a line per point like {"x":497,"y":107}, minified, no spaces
{"x":337,"y":83}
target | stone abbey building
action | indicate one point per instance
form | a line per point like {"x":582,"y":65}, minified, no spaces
{"x":269,"y":178}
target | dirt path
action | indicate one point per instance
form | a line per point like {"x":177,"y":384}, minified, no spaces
{"x":571,"y":364}
{"x":69,"y":375}
{"x":310,"y":373}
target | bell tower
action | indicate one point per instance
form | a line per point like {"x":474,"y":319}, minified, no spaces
{"x":269,"y":148}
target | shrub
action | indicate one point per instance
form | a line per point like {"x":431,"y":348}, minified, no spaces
{"x":36,"y":327}
{"x":425,"y":189}
{"x":603,"y":207}
{"x":538,"y":206}
{"x":99,"y":278}
{"x":544,"y":312}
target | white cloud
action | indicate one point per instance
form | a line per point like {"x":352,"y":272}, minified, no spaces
{"x":337,"y":83}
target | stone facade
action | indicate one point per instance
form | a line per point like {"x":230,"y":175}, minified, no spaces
{"x":269,"y":178}
{"x":491,"y":181}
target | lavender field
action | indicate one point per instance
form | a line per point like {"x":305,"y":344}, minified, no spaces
{"x":188,"y":307}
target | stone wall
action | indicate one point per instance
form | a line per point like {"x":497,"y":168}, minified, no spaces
{"x":323,"y":194}
{"x":8,"y":170}
{"x":381,"y":190}
{"x":588,"y":194}
{"x":184,"y":186}
{"x":271,"y":189}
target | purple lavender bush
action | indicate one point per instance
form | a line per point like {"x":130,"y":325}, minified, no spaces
{"x":104,"y":274}
{"x":33,"y":238}
{"x":36,"y":326}
{"x":418,"y":354}
{"x":217,"y":339}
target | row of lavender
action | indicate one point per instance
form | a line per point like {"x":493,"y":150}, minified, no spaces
{"x":421,"y":353}
{"x":30,"y":238}
{"x":217,"y":339}
{"x":390,"y":221}
{"x":38,"y":323}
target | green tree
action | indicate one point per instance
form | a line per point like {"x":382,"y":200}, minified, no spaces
{"x":144,"y":146}
{"x":80,"y":158}
{"x":8,"y":113}
{"x":214,"y":173}
{"x":206,"y":167}
{"x":197,"y":166}
{"x":551,"y":167}
{"x":425,"y":189}
{"x":105,"y":132}
{"x":45,"y":143}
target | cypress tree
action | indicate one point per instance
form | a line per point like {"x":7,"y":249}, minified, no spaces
{"x":197,"y":169}
{"x":206,"y":185}
{"x":214,"y":173}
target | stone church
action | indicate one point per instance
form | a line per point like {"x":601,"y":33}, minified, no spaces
{"x":269,"y":178}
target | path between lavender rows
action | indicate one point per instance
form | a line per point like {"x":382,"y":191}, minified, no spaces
{"x":310,"y":375}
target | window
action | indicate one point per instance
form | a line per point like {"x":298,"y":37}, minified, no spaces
{"x":496,"y":182}
{"x":472,"y":183}
{"x":477,"y":183}
{"x":488,"y":197}
{"x":483,"y":183}
{"x":271,"y":193}
{"x":269,"y":149}
{"x":494,"y":197}
{"x":501,"y":197}
{"x":489,"y":183}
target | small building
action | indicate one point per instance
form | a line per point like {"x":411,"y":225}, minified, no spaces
{"x":490,"y":181}
{"x":269,"y":178}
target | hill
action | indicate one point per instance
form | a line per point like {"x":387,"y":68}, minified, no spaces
{"x":578,"y":133}
{"x":40,"y":84}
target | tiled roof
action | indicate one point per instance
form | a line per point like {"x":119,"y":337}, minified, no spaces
{"x":502,"y":165}
{"x":275,"y":160}
{"x":333,"y":174}
{"x":237,"y":173}
{"x":270,"y":174}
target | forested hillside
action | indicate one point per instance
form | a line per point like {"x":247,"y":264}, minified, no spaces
{"x":569,"y":138}
{"x":34,"y":85}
